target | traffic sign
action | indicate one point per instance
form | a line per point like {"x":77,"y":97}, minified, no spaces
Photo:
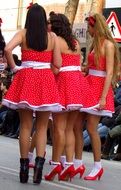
{"x":114,"y":26}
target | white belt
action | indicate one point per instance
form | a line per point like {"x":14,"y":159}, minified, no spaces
{"x":35,"y":65}
{"x":97,"y":73}
{"x":70,"y":68}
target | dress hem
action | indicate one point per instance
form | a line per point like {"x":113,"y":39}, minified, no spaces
{"x":55,"y":107}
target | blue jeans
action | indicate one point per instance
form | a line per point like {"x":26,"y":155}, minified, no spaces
{"x":102,"y":130}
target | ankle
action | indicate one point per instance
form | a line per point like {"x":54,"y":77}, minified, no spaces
{"x":77,"y":163}
{"x":55,"y":163}
{"x":97,"y":164}
{"x":63,"y":160}
{"x":68,"y":164}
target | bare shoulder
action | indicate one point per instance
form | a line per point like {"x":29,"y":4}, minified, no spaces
{"x":20,"y":33}
{"x":108,"y":44}
{"x":52,"y":34}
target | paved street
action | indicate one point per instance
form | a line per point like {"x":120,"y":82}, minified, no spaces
{"x":9,"y":170}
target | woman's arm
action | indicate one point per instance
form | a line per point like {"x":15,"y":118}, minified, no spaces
{"x":16,"y":40}
{"x":109,"y":53}
{"x":57,"y":58}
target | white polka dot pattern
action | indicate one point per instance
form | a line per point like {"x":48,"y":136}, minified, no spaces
{"x":36,"y":87}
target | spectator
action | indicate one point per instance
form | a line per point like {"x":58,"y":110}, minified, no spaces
{"x":112,"y":137}
{"x":3,"y":61}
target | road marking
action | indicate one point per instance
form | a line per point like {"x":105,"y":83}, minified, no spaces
{"x":77,"y":186}
{"x":61,"y":184}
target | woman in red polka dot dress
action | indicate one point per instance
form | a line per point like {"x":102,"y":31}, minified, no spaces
{"x":34,"y":88}
{"x":74,"y":94}
{"x":103,"y":63}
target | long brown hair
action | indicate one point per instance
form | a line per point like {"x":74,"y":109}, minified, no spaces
{"x":102,"y":32}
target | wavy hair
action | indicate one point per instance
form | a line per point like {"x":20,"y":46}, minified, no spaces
{"x":61,"y":26}
{"x":102,"y":32}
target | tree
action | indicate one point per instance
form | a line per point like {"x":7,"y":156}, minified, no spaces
{"x":97,"y":6}
{"x":71,"y":9}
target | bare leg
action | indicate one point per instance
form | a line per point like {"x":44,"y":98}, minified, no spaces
{"x":26,"y":117}
{"x":63,"y":158}
{"x":59,"y":135}
{"x":41,"y":132}
{"x":59,"y":121}
{"x":70,"y":137}
{"x":33,"y":143}
{"x":92,"y":123}
{"x":69,"y":170}
{"x":78,"y":131}
{"x":41,"y":126}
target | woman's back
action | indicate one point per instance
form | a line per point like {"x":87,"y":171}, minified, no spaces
{"x":50,"y":41}
{"x":69,"y":57}
{"x":65,"y":48}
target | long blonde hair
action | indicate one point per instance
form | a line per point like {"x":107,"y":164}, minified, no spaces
{"x":102,"y":32}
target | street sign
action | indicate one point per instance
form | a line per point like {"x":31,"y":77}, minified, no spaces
{"x":114,"y":26}
{"x":79,"y":31}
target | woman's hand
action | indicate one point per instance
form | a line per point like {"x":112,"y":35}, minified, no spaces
{"x":102,"y":103}
{"x":16,"y":68}
{"x":54,"y":70}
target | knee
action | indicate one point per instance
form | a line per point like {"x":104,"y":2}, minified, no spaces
{"x":59,"y":131}
{"x":92,"y":132}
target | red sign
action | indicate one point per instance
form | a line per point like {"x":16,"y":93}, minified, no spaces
{"x":114,"y":26}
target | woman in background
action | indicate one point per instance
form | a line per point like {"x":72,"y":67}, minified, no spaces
{"x":103,"y":64}
{"x":74,"y":93}
{"x":3,"y":62}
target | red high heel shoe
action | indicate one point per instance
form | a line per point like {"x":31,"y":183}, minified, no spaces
{"x":53,"y":173}
{"x":60,"y":163}
{"x":97,"y":176}
{"x":67,"y":173}
{"x":80,"y":170}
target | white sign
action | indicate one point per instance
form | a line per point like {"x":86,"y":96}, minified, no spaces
{"x":112,"y":4}
{"x":79,"y":31}
{"x":114,"y":26}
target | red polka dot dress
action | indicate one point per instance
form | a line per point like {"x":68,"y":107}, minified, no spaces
{"x":34,"y":87}
{"x":73,"y":87}
{"x":96,"y":79}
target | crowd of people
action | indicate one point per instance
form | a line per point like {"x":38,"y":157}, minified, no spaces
{"x":49,"y":89}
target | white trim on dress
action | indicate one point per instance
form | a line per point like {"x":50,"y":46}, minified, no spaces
{"x":56,"y":107}
{"x":98,"y":112}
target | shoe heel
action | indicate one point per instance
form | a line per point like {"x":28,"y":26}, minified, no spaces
{"x":80,"y":170}
{"x":100,"y":175}
{"x":39,"y":162}
{"x":24,"y":170}
{"x":68,"y":174}
{"x":55,"y":171}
